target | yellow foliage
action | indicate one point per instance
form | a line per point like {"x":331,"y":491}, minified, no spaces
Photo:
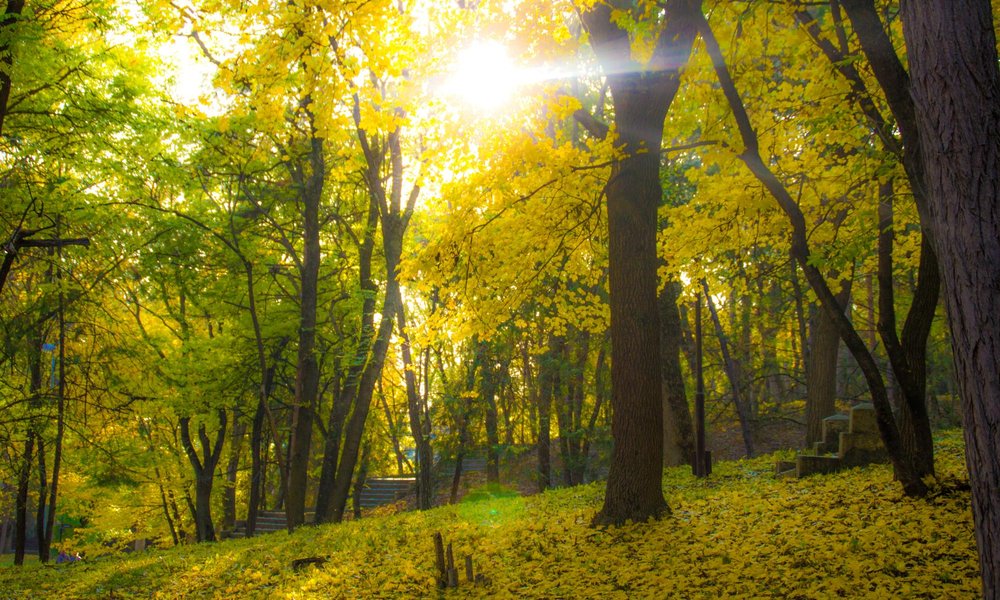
{"x":739,"y":534}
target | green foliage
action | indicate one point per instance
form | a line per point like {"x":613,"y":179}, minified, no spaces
{"x":739,"y":533}
{"x":490,"y":491}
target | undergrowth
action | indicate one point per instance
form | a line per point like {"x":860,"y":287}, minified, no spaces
{"x":739,"y":534}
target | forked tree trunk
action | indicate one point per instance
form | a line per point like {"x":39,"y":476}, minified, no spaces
{"x":958,"y":115}
{"x":204,"y":471}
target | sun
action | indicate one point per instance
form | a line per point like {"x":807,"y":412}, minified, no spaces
{"x":483,"y":77}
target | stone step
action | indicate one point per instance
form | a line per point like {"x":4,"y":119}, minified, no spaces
{"x":379,"y":491}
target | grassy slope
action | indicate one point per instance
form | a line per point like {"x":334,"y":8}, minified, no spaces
{"x":739,"y":534}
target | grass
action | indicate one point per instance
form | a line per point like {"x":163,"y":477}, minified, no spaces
{"x":739,"y":534}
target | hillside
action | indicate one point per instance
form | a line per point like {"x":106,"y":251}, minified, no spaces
{"x":739,"y":534}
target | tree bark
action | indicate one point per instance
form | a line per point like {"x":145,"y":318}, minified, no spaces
{"x":419,"y":420}
{"x":238,"y":432}
{"x":204,"y":470}
{"x":908,"y":356}
{"x":641,"y":96}
{"x":488,"y":397}
{"x":733,"y":370}
{"x":821,"y":369}
{"x":11,"y":15}
{"x":342,"y":404}
{"x":956,"y":91}
{"x":394,"y":218}
{"x":549,"y":384}
{"x":307,"y":373}
{"x":678,"y":431}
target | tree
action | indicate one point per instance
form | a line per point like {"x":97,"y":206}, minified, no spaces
{"x":641,"y":95}
{"x":955,"y":84}
{"x":204,"y":469}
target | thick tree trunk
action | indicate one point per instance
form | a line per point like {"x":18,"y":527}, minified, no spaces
{"x":956,"y":90}
{"x":307,"y":375}
{"x":821,"y":370}
{"x":641,"y":97}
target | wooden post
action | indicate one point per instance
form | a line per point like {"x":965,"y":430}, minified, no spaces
{"x":452,"y":571}
{"x":439,"y":555}
{"x":468,"y":568}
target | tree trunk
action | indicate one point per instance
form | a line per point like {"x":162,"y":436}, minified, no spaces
{"x":10,"y":18}
{"x":43,"y":548}
{"x":488,"y":397}
{"x":60,"y":425}
{"x":21,"y":502}
{"x":958,"y":116}
{"x":912,"y":484}
{"x":360,"y":480}
{"x":418,"y":416}
{"x":232,"y":468}
{"x":204,"y":470}
{"x":641,"y":95}
{"x":733,"y":371}
{"x":166,"y":507}
{"x":908,"y":356}
{"x":24,"y":476}
{"x":549,"y":384}
{"x":821,"y":370}
{"x":343,"y":402}
{"x":307,"y":374}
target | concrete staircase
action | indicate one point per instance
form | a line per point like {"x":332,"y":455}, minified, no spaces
{"x":268,"y":521}
{"x":379,"y":491}
{"x":848,"y":441}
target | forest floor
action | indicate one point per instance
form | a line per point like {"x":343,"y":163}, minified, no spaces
{"x":740,"y":533}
